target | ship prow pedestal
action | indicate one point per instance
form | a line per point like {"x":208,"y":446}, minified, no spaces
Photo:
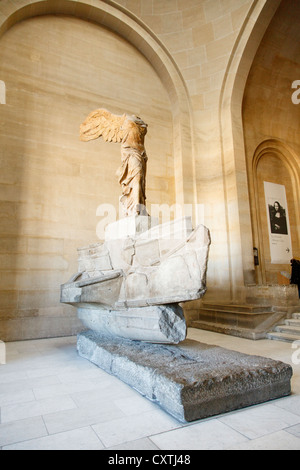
{"x":131,"y":284}
{"x":128,"y":291}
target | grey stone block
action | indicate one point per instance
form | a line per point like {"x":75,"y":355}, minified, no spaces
{"x":190,"y":380}
{"x":156,"y":323}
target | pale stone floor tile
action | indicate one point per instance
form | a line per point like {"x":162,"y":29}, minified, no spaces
{"x":22,"y":430}
{"x":55,"y":370}
{"x":28,"y":384}
{"x":280,"y":440}
{"x":291,"y":404}
{"x":82,"y":375}
{"x":77,"y":439}
{"x":295,"y":430}
{"x":139,"y":444}
{"x":254,"y":422}
{"x":205,"y":435}
{"x":21,"y":396}
{"x":115,"y":432}
{"x":109,"y":390}
{"x":80,"y":417}
{"x":135,"y":404}
{"x":59,"y":388}
{"x":35,"y":408}
{"x":8,"y":375}
{"x":45,"y":376}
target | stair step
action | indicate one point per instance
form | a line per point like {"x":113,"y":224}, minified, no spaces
{"x":232,"y":330}
{"x":236,"y":309}
{"x":293,"y":322}
{"x":248,"y":308}
{"x":293,"y":330}
{"x":281,"y":337}
{"x":296,"y":315}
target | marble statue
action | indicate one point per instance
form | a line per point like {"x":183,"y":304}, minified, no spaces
{"x":130,"y":131}
{"x":130,"y":286}
{"x":129,"y":290}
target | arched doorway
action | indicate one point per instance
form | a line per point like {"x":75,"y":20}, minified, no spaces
{"x":271,"y":133}
{"x":275,"y":166}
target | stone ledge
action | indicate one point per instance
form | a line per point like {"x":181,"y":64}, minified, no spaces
{"x":246,"y":321}
{"x":190,"y":380}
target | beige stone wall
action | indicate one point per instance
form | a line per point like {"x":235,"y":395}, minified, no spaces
{"x":271,"y":128}
{"x":56,"y":71}
{"x":200,"y":53}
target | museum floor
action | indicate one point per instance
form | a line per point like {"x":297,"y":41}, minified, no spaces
{"x":51,"y":398}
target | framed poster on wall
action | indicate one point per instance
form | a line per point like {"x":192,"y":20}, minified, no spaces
{"x":278,"y":223}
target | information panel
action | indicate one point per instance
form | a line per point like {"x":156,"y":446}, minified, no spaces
{"x":278,"y":223}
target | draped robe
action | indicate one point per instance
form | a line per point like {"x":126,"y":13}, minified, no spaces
{"x":132,"y":177}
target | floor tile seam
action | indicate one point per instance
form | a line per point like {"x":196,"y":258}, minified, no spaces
{"x":281,"y":407}
{"x":49,"y":435}
{"x":98,"y":437}
{"x":35,"y":390}
{"x":25,"y":440}
{"x":39,"y":414}
{"x":181,"y":426}
{"x":222,"y":447}
{"x":68,"y":430}
{"x":198,"y":421}
{"x":261,"y":435}
{"x":268,"y":435}
{"x":233,"y":428}
{"x":27,"y":380}
{"x":128,"y":442}
{"x":76,"y":407}
{"x":92,"y":422}
{"x":290,"y":427}
{"x":286,"y":428}
{"x":155,"y":443}
{"x":145,"y":436}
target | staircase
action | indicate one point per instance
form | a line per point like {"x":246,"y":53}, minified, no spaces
{"x":251,"y":321}
{"x":289,"y":331}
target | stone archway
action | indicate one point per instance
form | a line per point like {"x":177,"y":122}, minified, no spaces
{"x":276,"y":162}
{"x":240,"y":242}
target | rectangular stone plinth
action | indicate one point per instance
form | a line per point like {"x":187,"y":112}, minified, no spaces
{"x":190,"y":380}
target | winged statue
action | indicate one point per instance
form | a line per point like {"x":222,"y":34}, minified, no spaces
{"x":130,"y":132}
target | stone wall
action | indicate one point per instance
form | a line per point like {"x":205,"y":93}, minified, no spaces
{"x":182,"y":65}
{"x":58,"y":69}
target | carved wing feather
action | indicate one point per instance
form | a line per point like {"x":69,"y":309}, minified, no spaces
{"x":103,"y":123}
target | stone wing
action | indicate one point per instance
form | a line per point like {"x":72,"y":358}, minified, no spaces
{"x":102,"y":123}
